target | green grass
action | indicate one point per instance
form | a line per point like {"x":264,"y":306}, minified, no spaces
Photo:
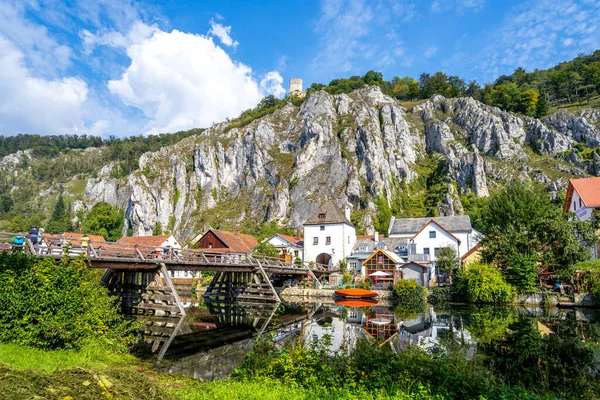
{"x":77,"y":187}
{"x":28,"y":358}
{"x":580,"y":105}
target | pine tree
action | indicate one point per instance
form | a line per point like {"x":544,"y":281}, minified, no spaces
{"x":60,"y":220}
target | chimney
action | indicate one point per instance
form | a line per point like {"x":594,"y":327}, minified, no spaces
{"x":298,"y":234}
{"x":376,"y":237}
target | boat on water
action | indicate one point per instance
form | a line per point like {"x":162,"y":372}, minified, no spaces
{"x":356,"y":302}
{"x":355,"y":293}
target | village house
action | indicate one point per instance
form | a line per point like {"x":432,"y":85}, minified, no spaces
{"x":290,"y":247}
{"x":583,"y":197}
{"x":329,"y":236}
{"x":150,"y":245}
{"x":215,"y":240}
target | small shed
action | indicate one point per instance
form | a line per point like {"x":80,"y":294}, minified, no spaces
{"x":416,"y":271}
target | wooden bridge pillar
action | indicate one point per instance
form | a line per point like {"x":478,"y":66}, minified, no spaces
{"x":247,"y":287}
{"x":144,"y":292}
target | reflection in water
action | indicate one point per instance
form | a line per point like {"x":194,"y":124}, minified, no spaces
{"x":214,"y":337}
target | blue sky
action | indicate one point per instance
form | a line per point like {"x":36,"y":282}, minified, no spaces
{"x":121,"y":67}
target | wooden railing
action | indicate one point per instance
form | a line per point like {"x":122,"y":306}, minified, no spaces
{"x":57,"y":246}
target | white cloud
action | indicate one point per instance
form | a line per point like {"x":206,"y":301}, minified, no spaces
{"x":223,"y":33}
{"x":532,"y":36}
{"x":272,"y":83}
{"x":282,"y":63}
{"x":458,"y":6}
{"x":36,"y":105}
{"x":42,"y":52}
{"x":431,"y":51}
{"x":181,"y":80}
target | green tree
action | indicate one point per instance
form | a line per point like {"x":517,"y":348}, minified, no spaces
{"x":60,"y":220}
{"x":526,"y":234}
{"x":105,"y":220}
{"x":157,"y":229}
{"x":482,"y":283}
{"x":447,"y":260}
{"x":266,"y":249}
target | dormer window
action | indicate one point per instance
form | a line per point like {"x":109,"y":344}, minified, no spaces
{"x":322,"y":216}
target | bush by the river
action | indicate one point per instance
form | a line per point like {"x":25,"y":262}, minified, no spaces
{"x":482,"y":283}
{"x":409,"y":293}
{"x":53,"y":304}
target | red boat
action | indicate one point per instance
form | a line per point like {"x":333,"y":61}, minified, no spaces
{"x":357,"y":303}
{"x":356,"y":293}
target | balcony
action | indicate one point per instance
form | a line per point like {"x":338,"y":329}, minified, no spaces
{"x":419,"y":257}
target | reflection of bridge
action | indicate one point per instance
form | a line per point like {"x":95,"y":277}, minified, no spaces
{"x":140,"y":275}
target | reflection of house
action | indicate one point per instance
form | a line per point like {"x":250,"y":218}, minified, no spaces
{"x":381,"y":325}
{"x":289,"y":247}
{"x":329,"y":235}
{"x":217,"y":240}
{"x":329,"y":325}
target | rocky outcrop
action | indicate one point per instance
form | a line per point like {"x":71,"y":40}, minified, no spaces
{"x":351,"y":147}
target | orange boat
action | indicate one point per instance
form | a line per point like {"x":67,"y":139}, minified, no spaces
{"x":357,"y":303}
{"x":356,"y":293}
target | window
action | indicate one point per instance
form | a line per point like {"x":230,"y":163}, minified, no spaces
{"x":426,"y":250}
{"x":322,"y":227}
{"x":574,"y":206}
{"x":322,"y":216}
{"x":328,"y":240}
{"x":432,"y":234}
{"x":580,"y":203}
{"x":353,"y":264}
{"x":380,"y":259}
{"x":315,"y":240}
{"x":348,"y":239}
{"x":436,"y":251}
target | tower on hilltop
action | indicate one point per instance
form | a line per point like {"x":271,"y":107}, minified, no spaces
{"x":296,"y":87}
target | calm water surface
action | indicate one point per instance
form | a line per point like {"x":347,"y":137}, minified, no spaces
{"x":213,"y":339}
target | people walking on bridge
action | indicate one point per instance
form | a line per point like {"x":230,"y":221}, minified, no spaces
{"x":33,"y":237}
{"x":18,"y":241}
{"x":85,"y":242}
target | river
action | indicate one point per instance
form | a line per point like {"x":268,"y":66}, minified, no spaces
{"x":213,"y":339}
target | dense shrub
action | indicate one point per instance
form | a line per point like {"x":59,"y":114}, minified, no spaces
{"x":482,"y":283}
{"x":443,"y":294}
{"x":57,"y":304}
{"x":409,"y":293}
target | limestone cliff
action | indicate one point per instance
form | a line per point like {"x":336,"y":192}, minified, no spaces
{"x":358,"y":147}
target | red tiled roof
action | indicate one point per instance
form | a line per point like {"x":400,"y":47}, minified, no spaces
{"x":144,"y":240}
{"x":70,"y":236}
{"x":289,"y":238}
{"x":587,"y":188}
{"x":237,"y":242}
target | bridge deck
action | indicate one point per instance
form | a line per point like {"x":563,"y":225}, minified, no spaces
{"x":118,"y":256}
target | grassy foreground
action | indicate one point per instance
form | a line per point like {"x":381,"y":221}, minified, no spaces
{"x":29,"y":373}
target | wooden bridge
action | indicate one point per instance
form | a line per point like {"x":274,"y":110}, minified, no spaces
{"x":141,"y":275}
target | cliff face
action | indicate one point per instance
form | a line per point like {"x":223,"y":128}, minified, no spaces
{"x":353,"y":148}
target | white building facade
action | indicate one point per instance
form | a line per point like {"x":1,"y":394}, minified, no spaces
{"x":329,"y":236}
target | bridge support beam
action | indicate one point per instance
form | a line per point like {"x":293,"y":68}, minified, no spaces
{"x":243,"y":287}
{"x":144,"y":292}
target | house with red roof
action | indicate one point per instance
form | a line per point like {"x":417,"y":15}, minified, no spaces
{"x":583,"y":197}
{"x":225,"y":241}
{"x":290,"y":247}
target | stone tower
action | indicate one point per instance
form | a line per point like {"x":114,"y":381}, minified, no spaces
{"x":296,"y":87}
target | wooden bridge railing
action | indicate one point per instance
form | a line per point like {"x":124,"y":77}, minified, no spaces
{"x":57,"y":246}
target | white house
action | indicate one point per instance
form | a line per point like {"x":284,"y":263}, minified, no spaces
{"x":583,"y":197}
{"x":147,"y":243}
{"x":290,"y":247}
{"x":425,"y":236}
{"x":329,"y":235}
